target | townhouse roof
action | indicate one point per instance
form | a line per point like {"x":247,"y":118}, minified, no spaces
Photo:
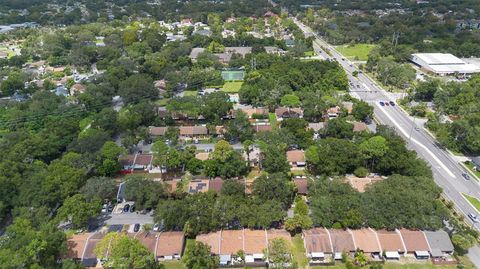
{"x":366,"y":240}
{"x":231,"y":241}
{"x":239,"y":50}
{"x":276,"y":233}
{"x":212,"y":240}
{"x":439,"y":240}
{"x":333,"y":110}
{"x":255,"y":110}
{"x":196,"y":186}
{"x":76,"y":245}
{"x":414,"y":240}
{"x":144,"y":159}
{"x":127,"y":160}
{"x":359,"y":126}
{"x":342,"y":240}
{"x":390,"y":241}
{"x":260,"y":128}
{"x":317,"y":240}
{"x":148,"y":239}
{"x":296,"y":156}
{"x":302,"y":185}
{"x":170,"y":243}
{"x":89,"y":257}
{"x":286,"y":112}
{"x":157,"y":131}
{"x":215,"y":185}
{"x":255,"y":241}
{"x":193,"y":130}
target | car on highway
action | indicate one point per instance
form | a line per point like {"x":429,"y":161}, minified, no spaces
{"x":387,"y":103}
{"x":136,"y":228}
{"x":392,"y":103}
{"x":126,"y":208}
{"x":382,"y":103}
{"x":473,"y":217}
{"x":466,"y":176}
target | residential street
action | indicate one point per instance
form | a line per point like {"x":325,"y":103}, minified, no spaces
{"x":447,"y":172}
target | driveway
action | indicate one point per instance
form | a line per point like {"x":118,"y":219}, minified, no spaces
{"x":129,"y":218}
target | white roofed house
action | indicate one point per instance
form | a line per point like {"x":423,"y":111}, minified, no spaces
{"x":444,"y":64}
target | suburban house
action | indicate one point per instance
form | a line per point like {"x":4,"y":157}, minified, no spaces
{"x":197,"y":131}
{"x":288,"y":113}
{"x":441,"y":246}
{"x":318,"y":245}
{"x":137,"y":162}
{"x":263,"y":127}
{"x":226,"y":244}
{"x":169,"y":246}
{"x":359,"y":127}
{"x":392,"y":244}
{"x":302,"y":185}
{"x":77,"y":89}
{"x":164,"y":245}
{"x":415,"y":243}
{"x":198,"y":185}
{"x":255,"y":112}
{"x":366,"y":239}
{"x":342,"y":241}
{"x":296,"y":159}
{"x":332,"y":113}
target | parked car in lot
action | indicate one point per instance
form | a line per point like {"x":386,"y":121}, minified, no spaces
{"x":156,"y":227}
{"x":104,"y":208}
{"x":466,"y":176}
{"x":473,"y":217}
{"x":126,"y":208}
{"x":132,"y":208}
{"x":392,"y":103}
{"x":110,"y":208}
{"x":382,"y":103}
{"x":136,"y":228}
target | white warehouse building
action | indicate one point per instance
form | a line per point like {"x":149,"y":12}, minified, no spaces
{"x":443,"y":64}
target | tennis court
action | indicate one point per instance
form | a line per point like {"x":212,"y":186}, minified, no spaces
{"x":233,"y":75}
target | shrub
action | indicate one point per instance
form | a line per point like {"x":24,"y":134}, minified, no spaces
{"x":361,"y":172}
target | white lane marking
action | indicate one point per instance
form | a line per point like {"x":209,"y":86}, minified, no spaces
{"x":406,"y":134}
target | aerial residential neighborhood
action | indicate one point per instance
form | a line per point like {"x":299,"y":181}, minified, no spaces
{"x":239,"y":134}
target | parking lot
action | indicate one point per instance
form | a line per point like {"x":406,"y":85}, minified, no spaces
{"x":120,"y":217}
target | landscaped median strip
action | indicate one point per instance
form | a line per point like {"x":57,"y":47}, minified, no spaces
{"x":473,"y":201}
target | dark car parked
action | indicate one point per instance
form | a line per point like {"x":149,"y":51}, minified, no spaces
{"x":136,"y":228}
{"x":126,"y":208}
{"x":132,"y":208}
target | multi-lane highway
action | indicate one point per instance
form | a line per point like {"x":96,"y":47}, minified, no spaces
{"x":447,"y":172}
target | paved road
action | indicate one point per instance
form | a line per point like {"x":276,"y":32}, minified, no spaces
{"x":447,"y":172}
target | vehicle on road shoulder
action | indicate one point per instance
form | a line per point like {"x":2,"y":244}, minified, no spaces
{"x":466,"y":176}
{"x":473,"y":217}
{"x":392,"y":103}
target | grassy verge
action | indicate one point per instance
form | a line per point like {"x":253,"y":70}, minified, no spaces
{"x":232,"y":86}
{"x":474,"y":201}
{"x":162,"y":102}
{"x":174,"y":265}
{"x":357,"y":51}
{"x":299,"y":252}
{"x":309,"y":53}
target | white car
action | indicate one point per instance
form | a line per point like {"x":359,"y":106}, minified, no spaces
{"x":156,"y":227}
{"x":473,"y":217}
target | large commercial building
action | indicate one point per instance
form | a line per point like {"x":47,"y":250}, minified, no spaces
{"x":443,"y":64}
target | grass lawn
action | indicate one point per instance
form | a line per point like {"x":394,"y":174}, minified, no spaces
{"x":162,"y":102}
{"x":190,"y":93}
{"x":388,"y":265}
{"x":474,"y":201}
{"x":232,"y":86}
{"x":359,"y":51}
{"x":470,"y":166}
{"x":309,"y":53}
{"x":299,"y":252}
{"x":272,"y":118}
{"x":174,"y":265}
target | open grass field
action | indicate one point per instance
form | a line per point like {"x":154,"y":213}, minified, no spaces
{"x":190,"y":93}
{"x":232,"y":86}
{"x":474,"y":201}
{"x":358,"y":51}
{"x":174,"y":265}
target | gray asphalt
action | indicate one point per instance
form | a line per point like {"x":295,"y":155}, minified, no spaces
{"x":447,"y":172}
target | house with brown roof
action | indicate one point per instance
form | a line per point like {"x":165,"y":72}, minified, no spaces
{"x":227,"y":243}
{"x":288,"y":113}
{"x":157,"y":131}
{"x":76,"y":245}
{"x":132,"y":162}
{"x":301,"y":185}
{"x":202,"y":156}
{"x":366,"y":240}
{"x":169,"y":246}
{"x":255,"y":112}
{"x":342,"y":241}
{"x":89,"y":258}
{"x":296,"y":158}
{"x":77,"y":89}
{"x":318,"y":245}
{"x":197,"y":132}
{"x":359,"y":127}
{"x":332,"y":113}
{"x":391,"y":243}
{"x":415,"y":243}
{"x":261,"y":128}
{"x":215,"y":185}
